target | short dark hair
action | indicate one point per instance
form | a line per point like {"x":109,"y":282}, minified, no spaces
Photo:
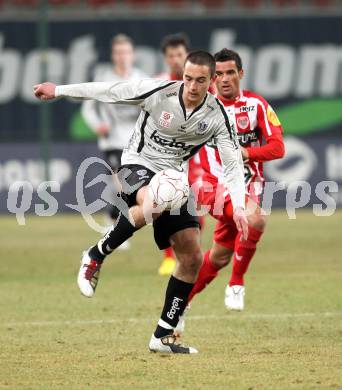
{"x":201,"y":57}
{"x":174,"y":40}
{"x":228,"y":55}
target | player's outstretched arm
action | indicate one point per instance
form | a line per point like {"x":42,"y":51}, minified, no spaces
{"x":45,"y":91}
{"x":133,"y":92}
{"x":95,"y":90}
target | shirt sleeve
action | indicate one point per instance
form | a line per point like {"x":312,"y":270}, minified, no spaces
{"x":272,"y":132}
{"x":273,"y":149}
{"x":231,"y":159}
{"x":121,"y":92}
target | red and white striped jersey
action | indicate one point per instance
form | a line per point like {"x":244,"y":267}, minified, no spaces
{"x":259,"y":131}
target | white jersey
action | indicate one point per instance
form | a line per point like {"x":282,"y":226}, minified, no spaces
{"x":120,"y":119}
{"x":166,"y":135}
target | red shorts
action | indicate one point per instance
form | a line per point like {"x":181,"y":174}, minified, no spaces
{"x":219,"y":205}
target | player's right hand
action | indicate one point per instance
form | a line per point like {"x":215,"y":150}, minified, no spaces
{"x":241,"y":222}
{"x":45,"y":91}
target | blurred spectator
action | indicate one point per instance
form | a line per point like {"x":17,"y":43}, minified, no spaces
{"x":114,"y":124}
{"x":175,"y":48}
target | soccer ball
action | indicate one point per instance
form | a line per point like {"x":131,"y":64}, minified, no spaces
{"x":169,"y":189}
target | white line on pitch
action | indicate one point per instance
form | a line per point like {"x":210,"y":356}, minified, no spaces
{"x":235,"y":316}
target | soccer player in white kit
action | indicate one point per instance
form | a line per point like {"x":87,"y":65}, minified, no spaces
{"x":175,"y":48}
{"x":177,"y":119}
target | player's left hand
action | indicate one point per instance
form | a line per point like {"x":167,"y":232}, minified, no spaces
{"x":244,"y":152}
{"x":45,"y":91}
{"x":241,"y":222}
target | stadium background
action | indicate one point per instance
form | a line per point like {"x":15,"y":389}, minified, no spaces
{"x":289,"y":336}
{"x":292,"y":56}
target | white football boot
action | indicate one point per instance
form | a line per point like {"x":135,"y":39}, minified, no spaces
{"x":88,"y":275}
{"x":234,"y":297}
{"x":167,"y":344}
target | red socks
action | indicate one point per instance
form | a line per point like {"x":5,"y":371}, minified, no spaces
{"x":244,"y":251}
{"x":207,"y":273}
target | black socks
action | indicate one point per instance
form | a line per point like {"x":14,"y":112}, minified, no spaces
{"x":176,"y":299}
{"x":116,"y":235}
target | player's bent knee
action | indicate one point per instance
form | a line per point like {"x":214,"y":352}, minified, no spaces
{"x":257,"y":220}
{"x":186,"y":241}
{"x":191,"y":263}
{"x":138,"y":216}
{"x":222,"y":260}
{"x":220,"y":256}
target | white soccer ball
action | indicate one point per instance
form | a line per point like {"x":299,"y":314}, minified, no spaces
{"x":169,"y":189}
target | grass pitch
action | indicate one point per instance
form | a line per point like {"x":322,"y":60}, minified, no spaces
{"x":288,"y":337}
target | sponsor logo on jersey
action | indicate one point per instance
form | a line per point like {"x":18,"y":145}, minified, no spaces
{"x":174,"y":308}
{"x":171,"y":143}
{"x":272,"y":117}
{"x":243,"y":122}
{"x":202,"y":127}
{"x":248,"y":137}
{"x":247,"y":108}
{"x":171,"y":94}
{"x":165,"y":119}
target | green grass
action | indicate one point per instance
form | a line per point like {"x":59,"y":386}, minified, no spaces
{"x":289,"y":336}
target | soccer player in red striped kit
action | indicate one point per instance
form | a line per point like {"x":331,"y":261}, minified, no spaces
{"x":261,"y":139}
